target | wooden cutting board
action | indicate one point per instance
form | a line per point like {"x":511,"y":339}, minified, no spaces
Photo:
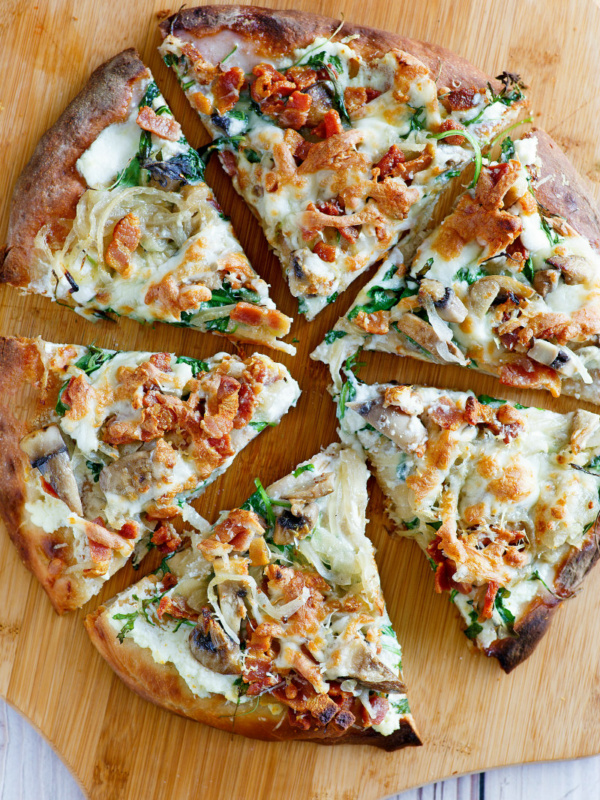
{"x":470,"y":714}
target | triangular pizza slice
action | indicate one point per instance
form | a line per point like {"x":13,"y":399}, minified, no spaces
{"x":112,"y":216}
{"x":502,"y":499}
{"x":271,"y":623}
{"x":340,"y":138}
{"x":508,"y":283}
{"x":114,"y":446}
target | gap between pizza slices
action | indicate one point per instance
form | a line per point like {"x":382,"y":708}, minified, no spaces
{"x":112,"y":216}
{"x":338,"y":137}
{"x":113,"y":448}
{"x":271,"y":623}
{"x":503,"y":500}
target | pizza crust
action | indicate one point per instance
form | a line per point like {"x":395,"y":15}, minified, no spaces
{"x":50,"y":186}
{"x":162,"y":685}
{"x":274,"y":33}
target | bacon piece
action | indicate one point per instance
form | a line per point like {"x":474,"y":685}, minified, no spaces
{"x":517,"y":252}
{"x":96,"y":531}
{"x":200,"y":102}
{"x":297,"y":144}
{"x":407,"y":169}
{"x":303,"y":77}
{"x":296,"y":111}
{"x":451,"y":125}
{"x":494,"y":182}
{"x":458,"y":99}
{"x":161,"y":125}
{"x":227,"y":89}
{"x":394,"y":197}
{"x":238,"y":528}
{"x":166,"y":538}
{"x":330,"y":125}
{"x":221,"y":405}
{"x":258,"y":672}
{"x":269,"y":82}
{"x":203,"y":70}
{"x":326,"y":252}
{"x":377,"y":322}
{"x":258,"y":552}
{"x":129,"y":530}
{"x":445,"y":570}
{"x":237,"y":269}
{"x":161,"y":361}
{"x":78,"y":397}
{"x":527,"y":374}
{"x":125,"y":239}
{"x":488,"y":603}
{"x":257,"y":317}
{"x":447,"y":415}
{"x":176,"y":607}
{"x":389,"y":163}
{"x":355,"y":97}
{"x":314,"y":221}
{"x":335,"y":153}
{"x":380,"y":706}
{"x":505,"y":420}
{"x":174,"y":297}
{"x":99,"y":553}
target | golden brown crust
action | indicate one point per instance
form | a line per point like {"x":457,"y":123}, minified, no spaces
{"x":276,"y":32}
{"x":561,"y":190}
{"x":50,"y":186}
{"x":512,"y":651}
{"x":162,"y":685}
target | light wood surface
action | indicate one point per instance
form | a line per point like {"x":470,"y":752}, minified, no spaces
{"x":470,"y":714}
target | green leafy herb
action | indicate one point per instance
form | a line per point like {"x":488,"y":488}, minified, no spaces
{"x":187,"y":168}
{"x":131,"y":618}
{"x":594,"y":463}
{"x":402,"y":706}
{"x":226,"y":296}
{"x":528,"y":269}
{"x":508,"y":618}
{"x":187,"y":85}
{"x":260,"y":426}
{"x":170,"y":59}
{"x":229,"y":54}
{"x":95,"y":468}
{"x":332,"y":336}
{"x":220,"y":144}
{"x":60,"y":407}
{"x":474,"y":144}
{"x":333,"y":67}
{"x":266,"y":502}
{"x":163,"y":567}
{"x":418,"y":121}
{"x":391,"y":272}
{"x":302,"y":306}
{"x":469,"y":274}
{"x":414,"y":523}
{"x":196,"y":366}
{"x":432,"y":564}
{"x":535,"y":576}
{"x":486,"y":400}
{"x":332,"y":297}
{"x":305,"y":468}
{"x":453,"y":594}
{"x":402,"y":471}
{"x":183,"y":622}
{"x":219,"y":324}
{"x":94,"y":359}
{"x":551,"y":234}
{"x":380,"y":299}
{"x":252,"y":156}
{"x":347,"y":395}
{"x":452,"y":173}
{"x":150,"y":95}
{"x":507,"y":149}
{"x":474,"y":629}
{"x":435,"y":525}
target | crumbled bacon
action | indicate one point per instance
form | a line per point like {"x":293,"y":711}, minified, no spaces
{"x":129,"y":530}
{"x":238,"y":529}
{"x":203,"y":70}
{"x":303,"y":77}
{"x":451,"y":125}
{"x":222,"y":404}
{"x":99,"y":553}
{"x":161,"y":361}
{"x":380,"y":706}
{"x":389,"y":164}
{"x":227,"y":89}
{"x":176,"y":297}
{"x":488,"y":602}
{"x":259,"y":654}
{"x":269,"y":82}
{"x":166,"y":538}
{"x":527,"y":374}
{"x":330,"y":125}
{"x":296,"y":111}
{"x":459,"y":99}
{"x":447,"y":415}
{"x":377,"y":322}
{"x":274,"y":321}
{"x":125,"y":239}
{"x":297,"y":144}
{"x":394,"y":197}
{"x":445,"y":570}
{"x":326,"y":252}
{"x":505,"y":421}
{"x":517,"y":252}
{"x":161,"y":125}
{"x":355,"y":97}
{"x":494,"y":182}
{"x":176,"y":607}
{"x":78,"y":396}
{"x":334,"y":153}
{"x":200,"y":102}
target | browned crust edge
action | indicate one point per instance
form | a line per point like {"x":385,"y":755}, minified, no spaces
{"x":512,"y":651}
{"x":162,"y":685}
{"x":50,"y":186}
{"x":275,"y":32}
{"x":20,"y":364}
{"x":561,"y":189}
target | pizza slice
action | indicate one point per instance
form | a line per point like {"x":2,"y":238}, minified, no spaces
{"x":508,"y":283}
{"x":114,"y":446}
{"x":502,"y":499}
{"x":271,"y":623}
{"x":338,"y":137}
{"x":112,"y":216}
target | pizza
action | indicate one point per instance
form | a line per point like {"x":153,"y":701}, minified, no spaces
{"x":508,"y":283}
{"x":111,"y":216}
{"x":338,"y":137}
{"x":502,"y":499}
{"x":114,"y":447}
{"x":270,"y":623}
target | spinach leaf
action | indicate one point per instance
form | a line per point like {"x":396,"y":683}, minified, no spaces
{"x":260,"y":426}
{"x":333,"y":67}
{"x":131,"y":618}
{"x":347,"y":394}
{"x":594,"y":463}
{"x":551,"y":234}
{"x":391,"y":272}
{"x":219,"y":324}
{"x":486,"y":400}
{"x":414,"y":523}
{"x":150,"y":95}
{"x":95,"y":468}
{"x":332,"y":336}
{"x":469,"y":274}
{"x":380,"y":299}
{"x":432,"y":564}
{"x":260,"y":503}
{"x":507,"y":149}
{"x":60,"y":407}
{"x":401,"y":706}
{"x":196,"y":365}
{"x":220,"y":144}
{"x":183,"y":622}
{"x":474,"y":629}
{"x":187,"y":168}
{"x":252,"y":156}
{"x":227,"y":296}
{"x":528,"y":269}
{"x":418,"y":121}
{"x":305,"y":468}
{"x":94,"y":359}
{"x":508,"y":618}
{"x":535,"y":576}
{"x":332,"y":298}
{"x":453,"y":594}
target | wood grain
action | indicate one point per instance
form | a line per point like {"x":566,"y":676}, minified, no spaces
{"x":471,"y":715}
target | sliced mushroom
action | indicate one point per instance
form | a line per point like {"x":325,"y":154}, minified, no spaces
{"x":545,"y":281}
{"x":449,"y":307}
{"x":48,"y":453}
{"x":213,"y":648}
{"x":289,"y":526}
{"x":424,"y":335}
{"x":552,"y":356}
{"x":231,"y":602}
{"x":408,"y":432}
{"x":318,"y":487}
{"x":574,"y":269}
{"x":484,"y":292}
{"x":322,"y":101}
{"x":132,"y":474}
{"x":360,"y":663}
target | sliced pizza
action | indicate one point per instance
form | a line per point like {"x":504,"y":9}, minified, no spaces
{"x":508,"y":283}
{"x":502,"y":499}
{"x":114,"y":446}
{"x":112,"y":216}
{"x":338,"y":137}
{"x":271,"y":623}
